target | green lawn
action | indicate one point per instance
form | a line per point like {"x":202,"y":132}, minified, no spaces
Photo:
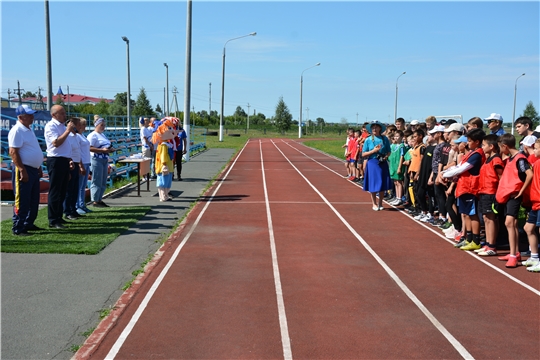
{"x":87,"y":235}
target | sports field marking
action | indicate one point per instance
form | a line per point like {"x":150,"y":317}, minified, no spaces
{"x":451,"y":339}
{"x":502,"y":272}
{"x":285,"y":339}
{"x":142,"y":306}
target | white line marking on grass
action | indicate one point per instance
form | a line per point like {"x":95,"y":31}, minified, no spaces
{"x":477,"y":257}
{"x":127,"y":330}
{"x":451,"y":339}
{"x":285,"y":340}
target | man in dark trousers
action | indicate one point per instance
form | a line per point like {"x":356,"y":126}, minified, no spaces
{"x":58,"y":163}
{"x":27,"y":158}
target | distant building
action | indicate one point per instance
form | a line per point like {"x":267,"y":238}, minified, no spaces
{"x":68,"y":99}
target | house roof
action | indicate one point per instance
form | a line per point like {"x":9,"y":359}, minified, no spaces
{"x":71,"y":98}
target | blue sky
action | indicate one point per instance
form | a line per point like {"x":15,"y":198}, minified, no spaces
{"x":460,"y":57}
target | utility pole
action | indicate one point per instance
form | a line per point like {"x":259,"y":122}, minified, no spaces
{"x":193,"y":110}
{"x":9,"y":97}
{"x":19,"y":92}
{"x":356,"y":119}
{"x":209,"y":99}
{"x":248,"y":117}
{"x":48,"y":55}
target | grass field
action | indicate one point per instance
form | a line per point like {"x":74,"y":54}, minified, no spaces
{"x":87,"y":235}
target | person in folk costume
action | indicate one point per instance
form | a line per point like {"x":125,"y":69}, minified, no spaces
{"x":164,"y":155}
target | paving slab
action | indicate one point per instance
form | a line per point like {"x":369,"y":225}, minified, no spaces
{"x":48,"y":300}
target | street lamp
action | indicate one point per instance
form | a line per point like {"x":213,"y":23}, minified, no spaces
{"x":514,"y":112}
{"x":301,"y":85}
{"x":167,"y":96}
{"x":128,"y":86}
{"x":395,"y":105}
{"x":223,"y":85}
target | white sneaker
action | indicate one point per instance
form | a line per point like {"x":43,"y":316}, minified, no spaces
{"x":419,"y":216}
{"x":530,"y":262}
{"x":396,"y":203}
{"x":426,"y":218}
{"x":535,"y":268}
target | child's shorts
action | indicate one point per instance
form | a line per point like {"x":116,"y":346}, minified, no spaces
{"x":468,"y":204}
{"x":487,"y":203}
{"x":533,"y":217}
{"x":512,"y":207}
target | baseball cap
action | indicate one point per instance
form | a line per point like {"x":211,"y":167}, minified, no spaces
{"x":437,"y":128}
{"x":494,"y":116}
{"x":461,"y":139}
{"x":414,"y":122}
{"x":24,"y":109}
{"x":529,"y":140}
{"x":454,"y":127}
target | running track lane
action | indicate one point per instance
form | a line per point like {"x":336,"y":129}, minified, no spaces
{"x":218,"y":299}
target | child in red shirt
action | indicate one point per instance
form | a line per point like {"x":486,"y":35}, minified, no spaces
{"x":533,"y":218}
{"x":517,"y":176}
{"x":490,"y":174}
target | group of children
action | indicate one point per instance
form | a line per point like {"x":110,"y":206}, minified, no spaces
{"x":460,"y":179}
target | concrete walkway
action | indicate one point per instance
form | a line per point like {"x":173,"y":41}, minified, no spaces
{"x":48,"y":300}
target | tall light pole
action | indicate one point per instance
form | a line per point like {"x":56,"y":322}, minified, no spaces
{"x":167,"y":91}
{"x":395,"y":105}
{"x":514,"y":112}
{"x":49,"y":63}
{"x":301,"y":85}
{"x":223,"y":85}
{"x":128,"y":86}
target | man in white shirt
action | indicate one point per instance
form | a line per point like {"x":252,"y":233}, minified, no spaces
{"x":27,"y":158}
{"x":58,"y":163}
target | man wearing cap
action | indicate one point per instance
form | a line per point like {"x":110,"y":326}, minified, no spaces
{"x":414,"y":125}
{"x":494,"y":123}
{"x":27,"y":158}
{"x":58,"y":163}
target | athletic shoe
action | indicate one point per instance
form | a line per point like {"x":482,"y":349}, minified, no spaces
{"x":381,"y":208}
{"x":390,"y":200}
{"x":426,"y":217}
{"x":488,"y":252}
{"x":375,"y":208}
{"x":512,"y":262}
{"x":461,"y":244}
{"x":471,"y":246}
{"x":483,"y":248}
{"x":351,"y":178}
{"x":87,"y":210}
{"x":419,"y":216}
{"x":535,"y":268}
{"x":459,"y":237}
{"x":81,"y":212}
{"x":506,"y":257}
{"x":530,"y":262}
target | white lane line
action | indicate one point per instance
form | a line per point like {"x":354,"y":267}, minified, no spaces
{"x":127,"y":330}
{"x":285,"y":340}
{"x":451,"y":339}
{"x":470,"y":253}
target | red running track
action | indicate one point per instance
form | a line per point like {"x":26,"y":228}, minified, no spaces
{"x":284,"y":258}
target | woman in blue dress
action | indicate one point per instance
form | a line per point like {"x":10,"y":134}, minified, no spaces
{"x":377,"y":174}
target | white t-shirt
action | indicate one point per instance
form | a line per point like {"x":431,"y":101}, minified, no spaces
{"x":99,"y":141}
{"x":53,"y":130}
{"x":75,"y":149}
{"x":84,"y":146}
{"x":24,"y":139}
{"x":146,"y":133}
